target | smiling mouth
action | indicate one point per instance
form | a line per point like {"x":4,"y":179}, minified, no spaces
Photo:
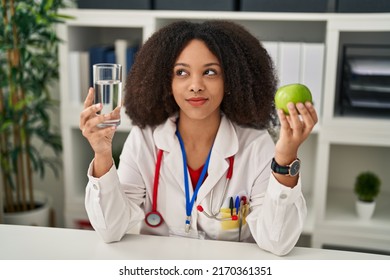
{"x":197,"y":101}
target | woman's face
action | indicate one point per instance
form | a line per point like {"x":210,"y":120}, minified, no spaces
{"x":197,"y":83}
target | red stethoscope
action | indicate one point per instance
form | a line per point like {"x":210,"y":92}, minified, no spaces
{"x":155,"y":219}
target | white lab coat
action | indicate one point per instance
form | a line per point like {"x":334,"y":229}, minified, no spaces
{"x":119,"y":200}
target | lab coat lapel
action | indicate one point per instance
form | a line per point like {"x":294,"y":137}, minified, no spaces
{"x":166,"y":140}
{"x":225,"y":145}
{"x":174,"y":162}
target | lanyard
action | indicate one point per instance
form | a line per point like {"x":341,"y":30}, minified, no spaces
{"x":154,"y":219}
{"x":190,"y":202}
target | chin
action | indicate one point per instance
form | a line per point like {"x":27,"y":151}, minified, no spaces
{"x":201,"y":116}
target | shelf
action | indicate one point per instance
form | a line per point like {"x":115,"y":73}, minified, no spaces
{"x":108,"y":18}
{"x":341,"y":213}
{"x":357,"y":44}
{"x":271,"y":29}
{"x":343,"y":230}
{"x":351,"y":131}
{"x":347,"y":161}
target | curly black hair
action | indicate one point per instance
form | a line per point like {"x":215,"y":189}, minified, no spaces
{"x":249,"y":74}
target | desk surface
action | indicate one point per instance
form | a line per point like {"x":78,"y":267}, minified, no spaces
{"x":27,"y":243}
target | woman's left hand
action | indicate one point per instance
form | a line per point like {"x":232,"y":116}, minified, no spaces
{"x":294,"y":130}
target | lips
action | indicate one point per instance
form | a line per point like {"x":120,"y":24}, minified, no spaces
{"x":197,"y":101}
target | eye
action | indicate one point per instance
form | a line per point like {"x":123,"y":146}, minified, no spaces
{"x":181,"y":72}
{"x":210,"y":72}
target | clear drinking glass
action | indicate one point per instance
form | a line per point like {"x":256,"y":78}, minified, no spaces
{"x":107,"y":82}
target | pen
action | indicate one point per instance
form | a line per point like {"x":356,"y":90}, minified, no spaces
{"x":240,"y":220}
{"x":237,"y":204}
{"x":231,"y":206}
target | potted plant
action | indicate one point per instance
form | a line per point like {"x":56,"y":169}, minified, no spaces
{"x":367,"y":187}
{"x":28,"y":67}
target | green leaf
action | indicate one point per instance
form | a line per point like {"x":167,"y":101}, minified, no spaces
{"x":26,"y":103}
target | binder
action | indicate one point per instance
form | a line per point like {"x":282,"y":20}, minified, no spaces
{"x":273,"y":50}
{"x":313,"y":55}
{"x":289,"y":63}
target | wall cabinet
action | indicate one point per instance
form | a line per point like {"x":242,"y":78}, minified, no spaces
{"x":339,"y":148}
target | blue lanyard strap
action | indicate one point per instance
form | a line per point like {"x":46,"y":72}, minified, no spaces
{"x":190,"y":202}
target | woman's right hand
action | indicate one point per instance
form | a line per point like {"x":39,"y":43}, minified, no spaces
{"x":100,"y":139}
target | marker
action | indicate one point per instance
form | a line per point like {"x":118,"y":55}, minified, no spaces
{"x":231,"y":206}
{"x":237,"y":204}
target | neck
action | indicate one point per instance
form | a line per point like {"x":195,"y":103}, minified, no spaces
{"x":198,"y":133}
{"x":198,"y":137}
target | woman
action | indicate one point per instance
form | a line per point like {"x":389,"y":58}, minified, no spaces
{"x":200,"y":96}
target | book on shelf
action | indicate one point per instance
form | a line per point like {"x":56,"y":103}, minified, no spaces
{"x":125,"y":51}
{"x":299,"y":62}
{"x":81,"y":65}
{"x":100,"y":54}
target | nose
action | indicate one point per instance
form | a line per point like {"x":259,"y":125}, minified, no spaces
{"x":196,"y":90}
{"x":196,"y":85}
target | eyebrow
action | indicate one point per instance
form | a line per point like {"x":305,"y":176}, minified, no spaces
{"x":206,"y":65}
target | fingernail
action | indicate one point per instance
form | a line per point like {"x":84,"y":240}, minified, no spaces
{"x":300,"y":106}
{"x":97,"y":106}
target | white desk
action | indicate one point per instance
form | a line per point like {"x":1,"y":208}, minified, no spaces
{"x":39,"y":243}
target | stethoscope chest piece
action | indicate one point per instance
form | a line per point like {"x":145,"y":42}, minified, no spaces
{"x":153,"y":219}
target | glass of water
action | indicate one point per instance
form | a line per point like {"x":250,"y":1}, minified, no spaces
{"x":107,"y":83}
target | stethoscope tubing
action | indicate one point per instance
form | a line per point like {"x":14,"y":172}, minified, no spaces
{"x":228,"y":177}
{"x":200,"y":209}
{"x":155,"y":219}
{"x":214,"y":215}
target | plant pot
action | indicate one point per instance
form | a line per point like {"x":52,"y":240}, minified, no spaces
{"x":365,"y":210}
{"x":37,"y":217}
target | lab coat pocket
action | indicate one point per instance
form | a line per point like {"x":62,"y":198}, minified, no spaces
{"x":234,"y":227}
{"x":235,"y":221}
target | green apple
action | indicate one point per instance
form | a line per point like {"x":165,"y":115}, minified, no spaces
{"x":295,"y":93}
